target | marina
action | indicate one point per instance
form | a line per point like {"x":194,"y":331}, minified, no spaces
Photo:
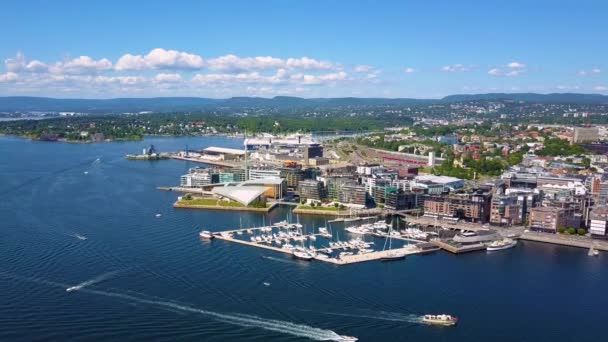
{"x":287,"y":238}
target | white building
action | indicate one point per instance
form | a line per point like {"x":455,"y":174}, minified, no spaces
{"x":264,"y":173}
{"x":449,"y":183}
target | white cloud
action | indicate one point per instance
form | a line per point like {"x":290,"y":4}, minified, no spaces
{"x":509,"y":70}
{"x":167,"y":78}
{"x":230,"y":75}
{"x":456,"y":68}
{"x":20,"y":64}
{"x":309,"y":63}
{"x":594,"y":71}
{"x":319,"y":79}
{"x":516,"y":65}
{"x":600,"y":88}
{"x":409,"y":70}
{"x":566,"y":87}
{"x":364,"y":68}
{"x":232,"y":63}
{"x":160,"y":59}
{"x":81,"y":65}
{"x":8,"y":77}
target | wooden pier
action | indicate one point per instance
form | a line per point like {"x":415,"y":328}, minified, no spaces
{"x":458,"y":249}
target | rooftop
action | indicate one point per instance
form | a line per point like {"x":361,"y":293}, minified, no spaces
{"x":437,"y":179}
{"x":242,"y":194}
{"x":224,"y":150}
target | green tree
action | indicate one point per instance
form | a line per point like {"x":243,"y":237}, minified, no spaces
{"x":581,"y":231}
{"x":571,"y":231}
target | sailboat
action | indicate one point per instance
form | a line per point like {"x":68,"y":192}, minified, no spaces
{"x":391,"y":255}
{"x":302,"y":253}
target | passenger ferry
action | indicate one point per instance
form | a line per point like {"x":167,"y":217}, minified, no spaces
{"x":440,"y":319}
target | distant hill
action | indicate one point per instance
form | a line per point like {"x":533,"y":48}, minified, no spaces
{"x":532,"y":97}
{"x":169,"y":104}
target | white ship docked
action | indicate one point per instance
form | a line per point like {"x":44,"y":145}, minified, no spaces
{"x":501,"y":244}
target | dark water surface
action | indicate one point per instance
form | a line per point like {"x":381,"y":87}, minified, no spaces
{"x":151,"y":278}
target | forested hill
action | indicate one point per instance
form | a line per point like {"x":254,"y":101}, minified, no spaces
{"x":172,"y":104}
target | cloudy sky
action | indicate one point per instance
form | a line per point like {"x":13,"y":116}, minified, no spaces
{"x":423,"y":49}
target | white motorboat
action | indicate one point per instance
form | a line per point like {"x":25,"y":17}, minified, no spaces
{"x":302,"y":255}
{"x":501,"y":244}
{"x":205,"y":234}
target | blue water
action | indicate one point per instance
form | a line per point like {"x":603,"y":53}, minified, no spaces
{"x":149,"y":278}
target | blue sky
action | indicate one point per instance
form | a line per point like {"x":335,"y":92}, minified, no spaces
{"x":423,"y":49}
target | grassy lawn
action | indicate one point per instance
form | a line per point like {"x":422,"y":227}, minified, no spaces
{"x":213,"y":202}
{"x":307,"y":207}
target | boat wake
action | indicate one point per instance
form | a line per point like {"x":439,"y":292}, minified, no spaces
{"x":95,"y":280}
{"x":79,"y":236}
{"x":243,"y":320}
{"x":379,"y":315}
{"x":286,"y":261}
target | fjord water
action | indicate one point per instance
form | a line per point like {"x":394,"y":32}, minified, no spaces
{"x":150,"y":278}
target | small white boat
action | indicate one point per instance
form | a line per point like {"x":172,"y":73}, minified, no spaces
{"x":344,"y":338}
{"x":440,"y":319}
{"x":258,"y":239}
{"x":266,"y":283}
{"x":312,"y":237}
{"x":158,"y":215}
{"x":70,"y":289}
{"x":593,"y":252}
{"x":86,"y":172}
{"x":303,"y":255}
{"x":501,"y":244}
{"x":205,"y":234}
{"x":239,"y":232}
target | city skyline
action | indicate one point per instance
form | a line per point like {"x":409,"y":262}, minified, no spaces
{"x":304,"y":49}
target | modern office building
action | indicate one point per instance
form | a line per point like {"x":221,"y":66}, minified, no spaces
{"x":401,"y":200}
{"x":313,"y":151}
{"x":505,"y":210}
{"x":199,"y":177}
{"x":585,"y":134}
{"x":312,"y":189}
{"x":353,"y":194}
{"x":471,"y":207}
{"x":598,"y":224}
{"x":261,"y":173}
{"x":335,"y":184}
{"x":293,"y":176}
{"x":549,"y":219}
